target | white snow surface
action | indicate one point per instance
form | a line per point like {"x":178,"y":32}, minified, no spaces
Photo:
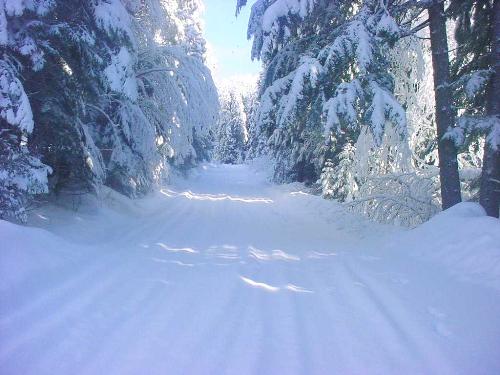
{"x":282,"y":8}
{"x":224,"y":273}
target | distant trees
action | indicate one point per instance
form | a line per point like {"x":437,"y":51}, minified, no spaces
{"x":232,"y":138}
{"x":231,"y":132}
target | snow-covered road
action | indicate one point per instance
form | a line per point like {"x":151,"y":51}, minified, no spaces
{"x":226,"y":274}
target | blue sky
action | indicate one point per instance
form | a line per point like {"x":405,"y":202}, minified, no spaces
{"x":227,"y":39}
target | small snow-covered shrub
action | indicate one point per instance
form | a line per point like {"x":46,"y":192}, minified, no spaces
{"x":406,"y":199}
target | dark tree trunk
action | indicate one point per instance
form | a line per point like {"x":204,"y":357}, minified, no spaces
{"x":490,"y":179}
{"x":445,"y":118}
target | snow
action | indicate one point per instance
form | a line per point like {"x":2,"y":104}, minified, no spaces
{"x":282,"y":8}
{"x":354,"y":42}
{"x":268,"y":21}
{"x":475,"y":82}
{"x":112,"y":16}
{"x":387,"y":25}
{"x":306,"y":73}
{"x":121,"y":76}
{"x":13,"y":7}
{"x":384,"y":106}
{"x":4,"y":34}
{"x":224,"y":273}
{"x":471,"y":230}
{"x":14,"y":103}
{"x":342,"y":104}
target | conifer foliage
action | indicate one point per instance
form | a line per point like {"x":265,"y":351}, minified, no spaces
{"x":476,"y":76}
{"x":99,"y":92}
{"x":21,"y":172}
{"x":366,"y":99}
{"x":231,"y":131}
{"x":326,"y":77}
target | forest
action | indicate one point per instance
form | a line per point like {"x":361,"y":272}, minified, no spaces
{"x":117,"y":93}
{"x":98,"y":93}
{"x":336,"y":213}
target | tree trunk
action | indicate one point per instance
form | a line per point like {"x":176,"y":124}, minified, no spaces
{"x":445,"y":118}
{"x":490,"y":179}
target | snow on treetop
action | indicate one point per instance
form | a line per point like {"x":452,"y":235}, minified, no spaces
{"x":15,"y":107}
{"x":282,"y":8}
{"x":112,"y":16}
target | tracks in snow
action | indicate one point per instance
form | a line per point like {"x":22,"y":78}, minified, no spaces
{"x":228,"y":275}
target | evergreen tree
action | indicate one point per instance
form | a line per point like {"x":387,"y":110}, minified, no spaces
{"x":231,"y":130}
{"x":445,"y":115}
{"x":325,"y":77}
{"x":178,"y":95}
{"x":338,"y":180}
{"x":490,"y":180}
{"x":22,"y":175}
{"x":327,"y":180}
{"x":104,"y":92}
{"x":475,"y":73}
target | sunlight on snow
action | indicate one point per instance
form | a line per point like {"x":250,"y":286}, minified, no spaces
{"x":262,"y":255}
{"x":214,"y":197}
{"x":263,"y":286}
{"x":320,"y":255}
{"x":299,"y":193}
{"x":297,"y":289}
{"x":233,"y":253}
{"x":176,"y":250}
{"x":274,"y":289}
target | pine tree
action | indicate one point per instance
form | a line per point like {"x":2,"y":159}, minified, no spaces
{"x":115,"y":91}
{"x":325,"y":75}
{"x":475,"y":72}
{"x":22,"y":175}
{"x":231,"y":130}
{"x":327,"y":180}
{"x":490,"y":180}
{"x":345,"y":185}
{"x":178,"y":95}
{"x":445,"y":116}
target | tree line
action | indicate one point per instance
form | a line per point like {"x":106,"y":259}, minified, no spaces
{"x":388,"y":105}
{"x":99,"y":93}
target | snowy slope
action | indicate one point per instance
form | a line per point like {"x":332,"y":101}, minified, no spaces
{"x":226,"y":274}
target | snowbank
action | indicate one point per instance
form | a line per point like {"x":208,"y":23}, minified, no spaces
{"x":463,"y":239}
{"x":25,"y":251}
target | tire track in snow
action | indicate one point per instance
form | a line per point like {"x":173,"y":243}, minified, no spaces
{"x":116,"y":311}
{"x":106,"y":321}
{"x":60,"y":286}
{"x":330,"y":325}
{"x":168,"y":218}
{"x":192,"y":328}
{"x":217,"y":344}
{"x":147,"y":315}
{"x":224,"y":326}
{"x":37,"y":327}
{"x":407,"y":325}
{"x":280,"y":347}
